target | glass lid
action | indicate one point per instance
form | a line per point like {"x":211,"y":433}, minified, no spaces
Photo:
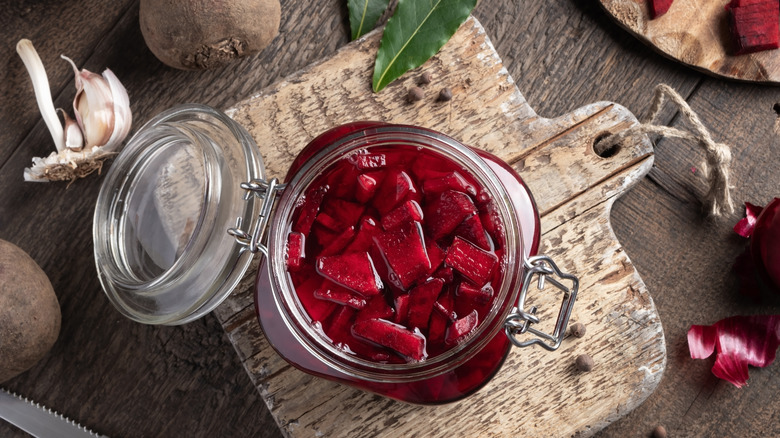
{"x":162,"y":250}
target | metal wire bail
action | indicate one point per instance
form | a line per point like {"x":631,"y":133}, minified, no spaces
{"x":519,"y":320}
{"x":267,"y":191}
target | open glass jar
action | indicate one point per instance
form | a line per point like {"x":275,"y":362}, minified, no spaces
{"x":396,"y":260}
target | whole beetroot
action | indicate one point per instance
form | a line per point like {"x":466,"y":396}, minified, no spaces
{"x":29,"y":312}
{"x":203,"y":34}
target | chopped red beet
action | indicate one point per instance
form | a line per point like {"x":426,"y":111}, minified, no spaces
{"x":478,"y":296}
{"x":317,"y":309}
{"x":461,"y":328}
{"x":376,"y":307}
{"x":472,"y":230}
{"x":444,"y":213}
{"x":354,"y":271}
{"x":737,"y":341}
{"x":435,"y":255}
{"x":405,"y":213}
{"x":364,"y":238}
{"x":328,"y":222}
{"x":339,"y":243}
{"x":332,"y":292}
{"x":345,"y":212}
{"x":370,"y":161}
{"x":393,"y":336}
{"x":393,"y":190}
{"x":296,"y":243}
{"x":473,"y":263}
{"x":309,"y":207}
{"x":421,"y":300}
{"x":445,"y":273}
{"x":404,"y":252}
{"x":366,"y":186}
{"x":754,"y":25}
{"x":659,"y":7}
{"x":401,"y":309}
{"x":451,"y":181}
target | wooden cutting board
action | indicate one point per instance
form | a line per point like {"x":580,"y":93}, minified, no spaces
{"x":536,"y":393}
{"x":696,"y":33}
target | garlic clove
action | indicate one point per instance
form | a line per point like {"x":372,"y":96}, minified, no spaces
{"x":40,"y":82}
{"x":123,"y":117}
{"x":74,"y":140}
{"x":93,"y":105}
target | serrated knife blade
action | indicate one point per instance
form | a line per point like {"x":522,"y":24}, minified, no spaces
{"x":37,"y":420}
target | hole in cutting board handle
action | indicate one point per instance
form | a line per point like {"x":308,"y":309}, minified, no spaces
{"x":601,"y":151}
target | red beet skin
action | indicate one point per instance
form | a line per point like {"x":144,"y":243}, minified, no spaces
{"x":659,"y":7}
{"x":754,"y":25}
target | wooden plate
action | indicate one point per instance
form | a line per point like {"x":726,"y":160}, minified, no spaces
{"x":696,"y":33}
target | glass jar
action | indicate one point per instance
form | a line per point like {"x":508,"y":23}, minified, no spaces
{"x":151,"y":262}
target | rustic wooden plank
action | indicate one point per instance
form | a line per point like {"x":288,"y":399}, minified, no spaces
{"x":556,"y":157}
{"x":695,"y":33}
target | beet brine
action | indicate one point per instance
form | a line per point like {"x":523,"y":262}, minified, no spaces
{"x":396,"y":253}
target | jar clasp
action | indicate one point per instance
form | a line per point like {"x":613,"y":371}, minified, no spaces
{"x":267,"y":191}
{"x":519,"y":320}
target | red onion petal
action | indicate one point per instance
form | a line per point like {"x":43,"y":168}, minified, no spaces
{"x":746,"y":225}
{"x":738,"y":341}
{"x":765,"y":242}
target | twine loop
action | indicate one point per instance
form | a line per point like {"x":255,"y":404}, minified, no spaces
{"x":715,"y":168}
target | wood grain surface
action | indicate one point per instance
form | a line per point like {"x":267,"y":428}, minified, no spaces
{"x":124,"y":379}
{"x":696,"y":33}
{"x":574,"y":188}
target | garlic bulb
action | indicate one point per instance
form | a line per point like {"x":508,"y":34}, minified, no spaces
{"x":102,"y":122}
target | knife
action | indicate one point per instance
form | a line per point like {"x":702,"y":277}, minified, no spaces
{"x":37,"y":420}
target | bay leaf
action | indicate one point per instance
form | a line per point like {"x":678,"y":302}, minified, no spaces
{"x":364,"y":14}
{"x":415,"y":32}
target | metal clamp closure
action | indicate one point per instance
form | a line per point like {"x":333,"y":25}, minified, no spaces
{"x":267,"y":191}
{"x":519,"y":320}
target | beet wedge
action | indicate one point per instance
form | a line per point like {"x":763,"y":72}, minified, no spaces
{"x":296,"y":242}
{"x":354,"y":271}
{"x":659,"y":7}
{"x":340,"y":295}
{"x":461,"y":328}
{"x":754,"y":25}
{"x":421,"y":300}
{"x":403,"y":249}
{"x":473,"y":263}
{"x":444,"y":213}
{"x":408,"y":344}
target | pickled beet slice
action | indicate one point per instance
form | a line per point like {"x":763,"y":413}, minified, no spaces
{"x":473,"y":263}
{"x":405,"y":213}
{"x":445,"y":273}
{"x":445,"y":212}
{"x":376,"y":307}
{"x":394,"y":188}
{"x":659,"y":7}
{"x":404,"y":252}
{"x":421,"y":300}
{"x":317,"y":309}
{"x":437,"y":329}
{"x":330,"y":291}
{"x":328,"y":222}
{"x":754,"y":25}
{"x":435,"y":255}
{"x":478,"y":296}
{"x":364,"y":238}
{"x":366,"y":186}
{"x":296,"y":243}
{"x":461,"y":328}
{"x":345,"y":212}
{"x":354,"y":271}
{"x":450,"y":181}
{"x":472,"y":230}
{"x":339,"y":243}
{"x":393,"y":336}
{"x":308,"y":209}
{"x":401,"y":309}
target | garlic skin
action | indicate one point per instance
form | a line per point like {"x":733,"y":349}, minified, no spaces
{"x":103,"y":120}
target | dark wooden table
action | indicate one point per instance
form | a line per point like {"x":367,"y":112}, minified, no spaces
{"x":125,"y":379}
